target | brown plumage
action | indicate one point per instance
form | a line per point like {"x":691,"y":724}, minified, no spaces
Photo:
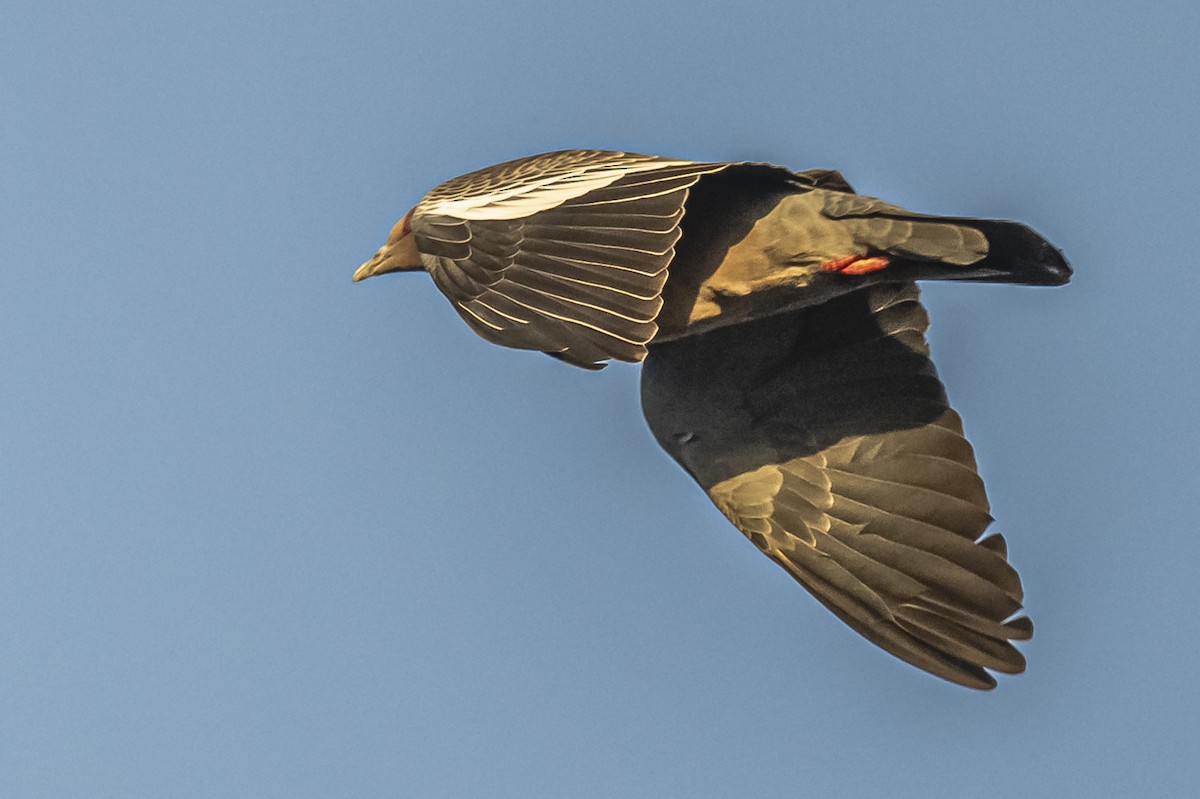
{"x":786,"y":367}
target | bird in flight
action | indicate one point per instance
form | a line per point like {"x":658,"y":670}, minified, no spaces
{"x":785,"y":366}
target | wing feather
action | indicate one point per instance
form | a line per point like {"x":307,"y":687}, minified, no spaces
{"x":563,"y":252}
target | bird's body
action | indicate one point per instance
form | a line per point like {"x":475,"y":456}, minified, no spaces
{"x":785,"y":362}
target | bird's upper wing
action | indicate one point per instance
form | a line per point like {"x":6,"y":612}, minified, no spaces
{"x":562,"y":252}
{"x":824,"y":435}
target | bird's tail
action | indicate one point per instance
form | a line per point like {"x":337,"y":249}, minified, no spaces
{"x":949,"y":248}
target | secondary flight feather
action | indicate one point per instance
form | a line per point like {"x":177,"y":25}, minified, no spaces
{"x":786,"y":367}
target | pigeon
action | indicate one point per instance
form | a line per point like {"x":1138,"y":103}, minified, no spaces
{"x":785,"y":365}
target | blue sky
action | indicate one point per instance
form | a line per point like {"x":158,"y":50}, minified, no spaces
{"x":264,"y":532}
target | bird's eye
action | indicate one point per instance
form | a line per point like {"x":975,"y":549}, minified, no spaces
{"x":684,"y":438}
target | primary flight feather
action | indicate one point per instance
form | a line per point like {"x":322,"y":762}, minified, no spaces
{"x":786,"y":367}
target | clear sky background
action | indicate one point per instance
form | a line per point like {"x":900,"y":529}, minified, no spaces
{"x":267,"y":533}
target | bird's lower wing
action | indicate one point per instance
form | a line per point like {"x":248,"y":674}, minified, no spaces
{"x":824,"y":435}
{"x":883,"y":530}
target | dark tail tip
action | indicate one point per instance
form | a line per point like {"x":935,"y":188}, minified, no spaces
{"x":1017,"y":254}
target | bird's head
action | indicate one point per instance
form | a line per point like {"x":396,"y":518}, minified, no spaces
{"x":399,"y":254}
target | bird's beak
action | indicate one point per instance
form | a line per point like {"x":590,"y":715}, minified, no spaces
{"x":398,"y":255}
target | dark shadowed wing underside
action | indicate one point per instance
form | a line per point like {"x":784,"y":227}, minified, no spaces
{"x":564,"y":252}
{"x":824,"y":435}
